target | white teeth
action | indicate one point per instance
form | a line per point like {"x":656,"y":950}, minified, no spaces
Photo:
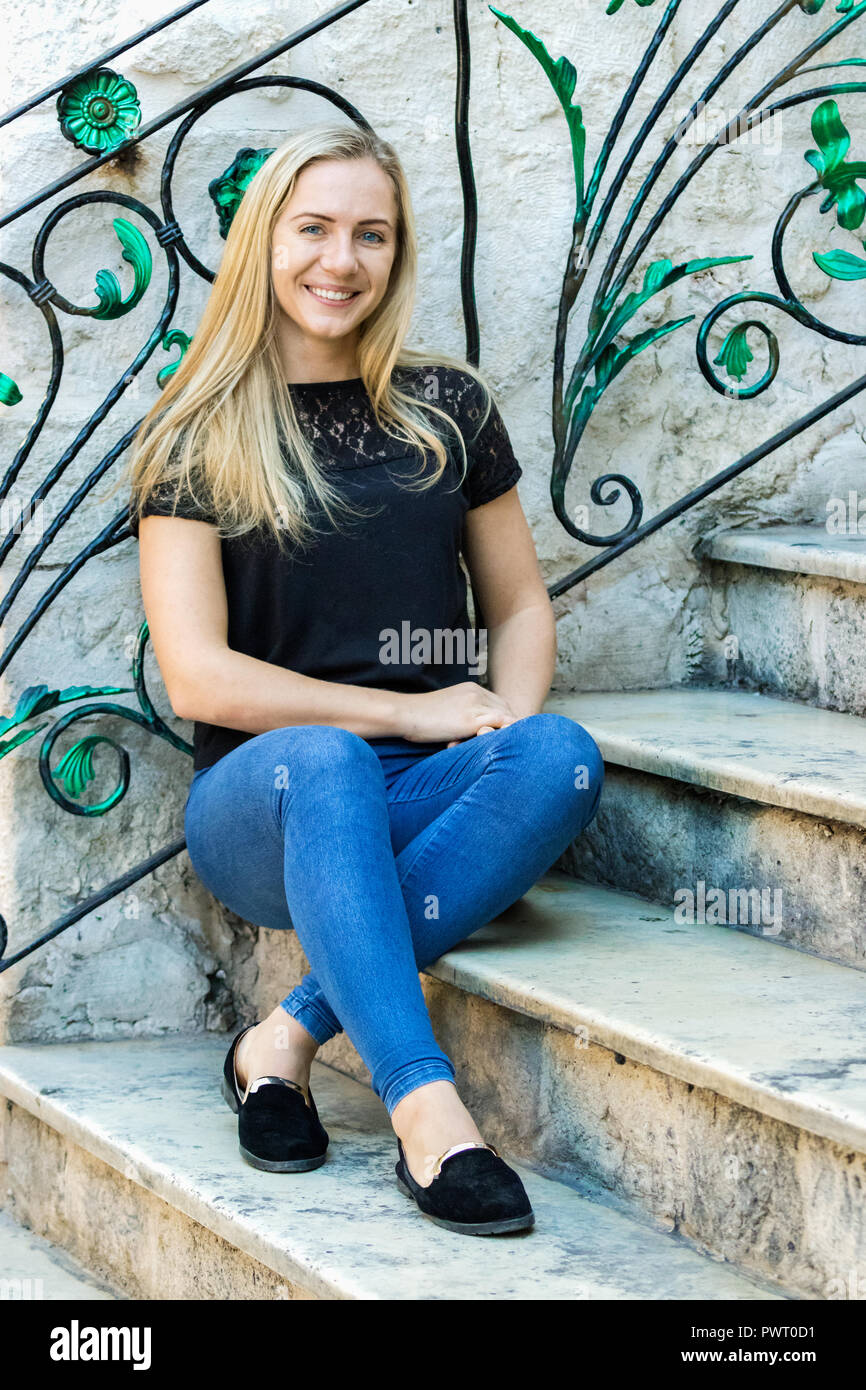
{"x":331,"y":294}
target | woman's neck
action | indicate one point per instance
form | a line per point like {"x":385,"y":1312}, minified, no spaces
{"x":317,"y":360}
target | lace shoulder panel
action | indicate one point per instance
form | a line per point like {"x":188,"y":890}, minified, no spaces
{"x":492,"y":467}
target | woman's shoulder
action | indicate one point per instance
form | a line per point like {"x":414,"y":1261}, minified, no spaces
{"x":451,"y":388}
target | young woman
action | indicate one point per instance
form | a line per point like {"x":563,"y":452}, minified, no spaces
{"x":303,"y":493}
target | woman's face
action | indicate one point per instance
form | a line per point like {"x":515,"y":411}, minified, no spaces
{"x":337,"y":232}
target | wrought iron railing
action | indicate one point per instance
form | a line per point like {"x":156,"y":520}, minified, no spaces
{"x":99,"y":112}
{"x":607,"y":312}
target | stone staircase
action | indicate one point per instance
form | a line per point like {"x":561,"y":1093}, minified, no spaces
{"x":668,"y":1040}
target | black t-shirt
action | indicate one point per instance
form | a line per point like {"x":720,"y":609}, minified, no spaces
{"x":373,"y":601}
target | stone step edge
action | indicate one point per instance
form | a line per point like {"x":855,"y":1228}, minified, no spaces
{"x":467,"y":972}
{"x":133,"y":1163}
{"x":734,"y":778}
{"x":138,"y":1168}
{"x":808,"y":550}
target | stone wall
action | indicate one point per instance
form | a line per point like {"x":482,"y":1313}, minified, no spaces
{"x":164,"y":956}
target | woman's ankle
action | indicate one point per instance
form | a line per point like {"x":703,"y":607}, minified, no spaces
{"x":277,"y":1046}
{"x":290,"y":1035}
{"x":428,"y":1121}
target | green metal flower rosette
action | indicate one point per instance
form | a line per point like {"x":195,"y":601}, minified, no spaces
{"x":99,"y":110}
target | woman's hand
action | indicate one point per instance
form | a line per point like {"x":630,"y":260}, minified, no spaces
{"x":457,"y":712}
{"x":485,"y":729}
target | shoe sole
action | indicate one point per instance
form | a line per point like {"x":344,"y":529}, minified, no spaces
{"x":282,"y":1165}
{"x":270,"y":1165}
{"x":474,"y":1228}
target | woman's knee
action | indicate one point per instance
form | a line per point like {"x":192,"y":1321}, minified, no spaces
{"x":313,"y":761}
{"x":320,"y":748}
{"x":565,"y":766}
{"x":562,"y":746}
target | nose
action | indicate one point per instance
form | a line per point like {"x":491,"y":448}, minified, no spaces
{"x":340,"y":256}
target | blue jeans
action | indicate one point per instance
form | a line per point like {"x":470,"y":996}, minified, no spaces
{"x":382,"y":855}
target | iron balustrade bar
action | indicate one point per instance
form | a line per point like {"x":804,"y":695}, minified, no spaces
{"x":117,"y":885}
{"x":158,"y":122}
{"x":467,"y":184}
{"x":103,"y":58}
{"x":711,"y":485}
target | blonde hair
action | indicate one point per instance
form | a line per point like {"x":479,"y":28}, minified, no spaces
{"x":220,"y":419}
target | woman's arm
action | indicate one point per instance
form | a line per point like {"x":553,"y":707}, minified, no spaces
{"x":184,"y":597}
{"x":507,"y":579}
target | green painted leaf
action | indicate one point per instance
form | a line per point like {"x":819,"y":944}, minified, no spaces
{"x":617,"y":4}
{"x":841,"y":265}
{"x":36,"y":699}
{"x":563,"y":79}
{"x":807,"y":6}
{"x":613,"y":359}
{"x":9,"y":393}
{"x":835,"y":175}
{"x":643,"y":340}
{"x":657,"y":277}
{"x":813,"y":6}
{"x":735,"y":353}
{"x":228,"y":189}
{"x":174,"y":338}
{"x":112,"y":305}
{"x":21,"y":737}
{"x":75,"y":768}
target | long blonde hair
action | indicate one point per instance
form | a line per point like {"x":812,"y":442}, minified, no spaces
{"x":218,"y":423}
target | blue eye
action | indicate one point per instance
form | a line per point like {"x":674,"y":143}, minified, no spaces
{"x":314,"y":226}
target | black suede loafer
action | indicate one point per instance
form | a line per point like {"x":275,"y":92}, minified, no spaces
{"x":277,"y":1130}
{"x":473,"y":1191}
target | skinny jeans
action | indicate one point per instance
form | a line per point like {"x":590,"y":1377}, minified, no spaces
{"x":383,"y":854}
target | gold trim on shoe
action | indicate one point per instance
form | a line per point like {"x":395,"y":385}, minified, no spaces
{"x":458,"y":1148}
{"x":252,"y":1083}
{"x":278,"y":1080}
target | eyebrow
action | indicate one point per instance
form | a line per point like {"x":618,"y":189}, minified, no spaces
{"x":321,"y":217}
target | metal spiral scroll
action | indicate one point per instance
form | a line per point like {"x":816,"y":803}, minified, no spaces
{"x":75,"y":767}
{"x":75,"y":770}
{"x":607,"y":349}
{"x":787,"y":301}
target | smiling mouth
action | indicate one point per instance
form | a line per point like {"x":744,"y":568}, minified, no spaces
{"x":322,"y":298}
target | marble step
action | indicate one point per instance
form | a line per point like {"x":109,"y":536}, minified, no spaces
{"x":740,"y":792}
{"x":714,"y":1080}
{"x":794,"y":597}
{"x":34,"y":1268}
{"x":142,"y":1138}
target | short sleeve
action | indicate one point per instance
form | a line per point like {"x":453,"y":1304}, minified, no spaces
{"x":160,"y":502}
{"x":492,"y":466}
